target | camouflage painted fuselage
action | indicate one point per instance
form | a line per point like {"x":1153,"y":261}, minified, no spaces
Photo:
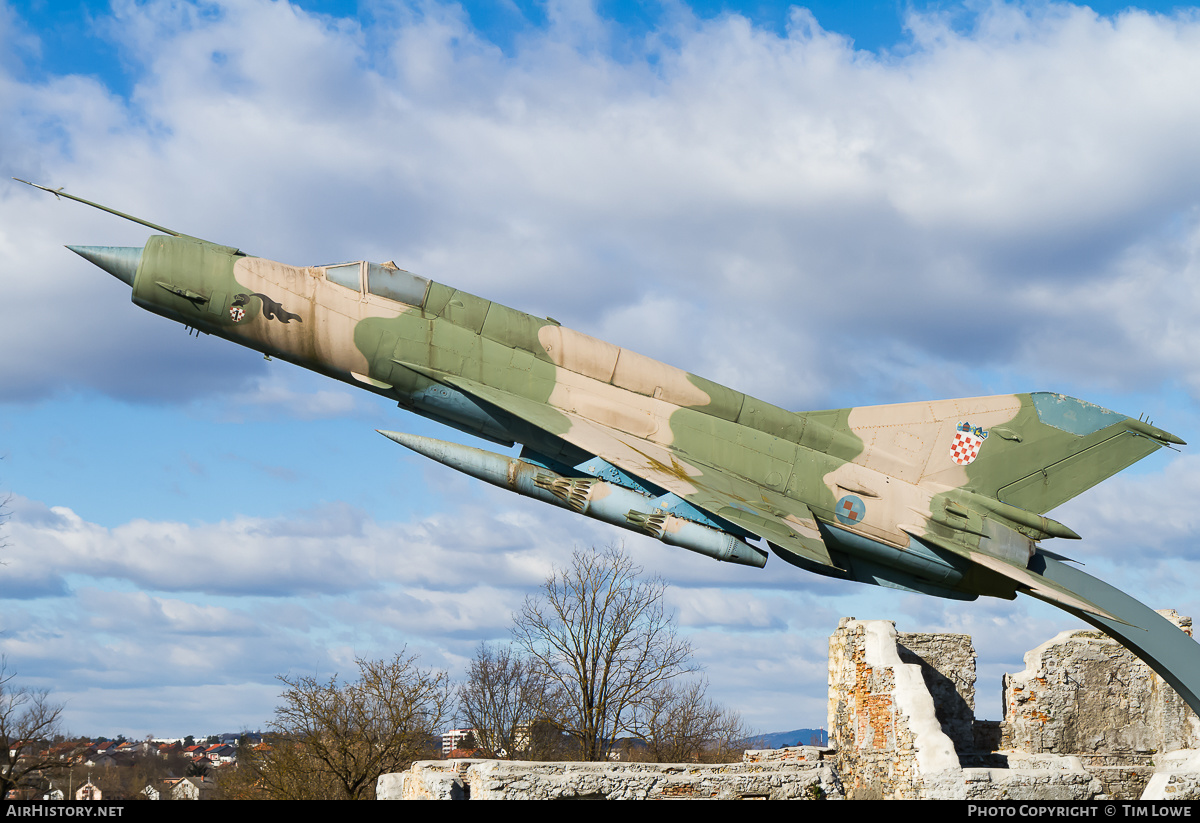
{"x":944,"y":497}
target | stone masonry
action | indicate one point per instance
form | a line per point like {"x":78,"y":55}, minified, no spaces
{"x":1084,"y":694}
{"x":947,"y":663}
{"x":882,"y":718}
{"x":1085,"y":720}
{"x":801,"y":773}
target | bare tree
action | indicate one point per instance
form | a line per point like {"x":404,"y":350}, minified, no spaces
{"x":605,"y":640}
{"x":333,"y":740}
{"x":504,"y":696}
{"x":680,"y":724}
{"x":28,"y":721}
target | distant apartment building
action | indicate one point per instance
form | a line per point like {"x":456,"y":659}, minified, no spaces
{"x":452,"y":738}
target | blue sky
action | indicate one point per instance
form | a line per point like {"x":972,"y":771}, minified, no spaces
{"x":825,"y":206}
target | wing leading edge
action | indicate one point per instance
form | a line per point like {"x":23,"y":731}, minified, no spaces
{"x":720,"y":494}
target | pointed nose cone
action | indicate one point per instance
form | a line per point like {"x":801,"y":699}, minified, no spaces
{"x":119,"y":261}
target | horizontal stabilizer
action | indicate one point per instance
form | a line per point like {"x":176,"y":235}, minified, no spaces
{"x":1026,"y":580}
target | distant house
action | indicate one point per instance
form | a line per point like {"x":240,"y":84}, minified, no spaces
{"x":221,"y":754}
{"x":89,"y":791}
{"x":69,"y":749}
{"x":100,"y":760}
{"x":188,"y":788}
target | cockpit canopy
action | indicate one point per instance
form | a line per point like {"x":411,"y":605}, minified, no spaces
{"x":386,"y":281}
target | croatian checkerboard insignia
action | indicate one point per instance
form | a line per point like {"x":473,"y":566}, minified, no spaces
{"x":967,"y":440}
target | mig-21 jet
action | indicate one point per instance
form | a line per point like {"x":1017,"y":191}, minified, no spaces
{"x":945,"y":497}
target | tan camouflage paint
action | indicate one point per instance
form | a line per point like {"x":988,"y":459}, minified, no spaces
{"x":774,"y":473}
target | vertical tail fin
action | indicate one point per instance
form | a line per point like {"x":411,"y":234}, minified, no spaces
{"x":1058,"y":447}
{"x":1033,"y":451}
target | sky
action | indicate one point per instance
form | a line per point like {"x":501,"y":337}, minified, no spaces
{"x":823,"y":206}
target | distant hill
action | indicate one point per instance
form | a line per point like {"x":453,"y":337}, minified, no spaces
{"x":797,"y":737}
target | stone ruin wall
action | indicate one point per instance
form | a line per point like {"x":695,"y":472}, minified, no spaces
{"x":947,"y":663}
{"x":1085,"y":720}
{"x":1083,"y":693}
{"x":799,"y":773}
{"x":882,"y":719}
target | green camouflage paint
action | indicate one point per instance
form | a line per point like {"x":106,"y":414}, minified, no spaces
{"x":943,"y":497}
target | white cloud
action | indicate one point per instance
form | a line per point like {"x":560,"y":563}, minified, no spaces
{"x":990,"y":197}
{"x":728,"y":609}
{"x":278,"y":395}
{"x":331,"y":550}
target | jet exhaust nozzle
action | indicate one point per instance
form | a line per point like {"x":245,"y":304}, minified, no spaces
{"x":119,"y":261}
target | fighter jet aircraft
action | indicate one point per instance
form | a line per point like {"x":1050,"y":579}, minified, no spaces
{"x":945,"y":497}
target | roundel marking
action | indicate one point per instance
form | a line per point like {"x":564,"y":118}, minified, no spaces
{"x":850,"y":510}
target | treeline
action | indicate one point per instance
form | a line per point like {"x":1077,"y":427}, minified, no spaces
{"x":596,"y":669}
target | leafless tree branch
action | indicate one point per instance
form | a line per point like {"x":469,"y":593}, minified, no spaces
{"x":505,"y":698}
{"x":679,"y":724}
{"x":332,"y":740}
{"x":28,"y":722}
{"x":604,"y":638}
